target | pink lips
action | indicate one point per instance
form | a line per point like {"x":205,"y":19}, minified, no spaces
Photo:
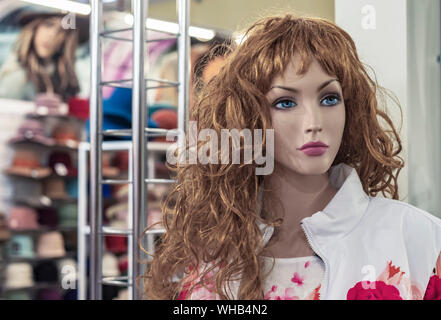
{"x":314,"y":148}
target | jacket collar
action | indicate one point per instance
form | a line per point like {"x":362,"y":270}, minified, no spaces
{"x":340,"y":215}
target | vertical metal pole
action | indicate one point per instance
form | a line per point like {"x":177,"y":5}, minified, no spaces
{"x":183,"y":8}
{"x":95,"y":151}
{"x":139,"y":115}
{"x":83,"y":151}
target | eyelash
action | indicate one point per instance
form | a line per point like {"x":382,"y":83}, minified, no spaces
{"x":329,"y":95}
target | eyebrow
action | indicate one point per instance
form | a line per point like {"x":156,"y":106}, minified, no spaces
{"x":324,"y":84}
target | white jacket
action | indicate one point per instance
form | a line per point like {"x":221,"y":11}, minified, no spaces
{"x":365,"y":240}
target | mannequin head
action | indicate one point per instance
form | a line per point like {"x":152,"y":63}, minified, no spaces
{"x":214,"y":212}
{"x":43,"y":44}
{"x":306,"y":115}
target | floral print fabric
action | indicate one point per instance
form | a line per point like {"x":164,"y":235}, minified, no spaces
{"x":301,"y":279}
{"x":394,"y":284}
{"x":293,"y":278}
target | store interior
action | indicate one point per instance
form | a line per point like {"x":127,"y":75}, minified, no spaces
{"x":45,"y":121}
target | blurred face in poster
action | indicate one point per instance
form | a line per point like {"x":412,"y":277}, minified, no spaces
{"x":49,"y":38}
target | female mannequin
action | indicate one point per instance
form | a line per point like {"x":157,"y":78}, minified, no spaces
{"x":43,"y":60}
{"x":303,"y":78}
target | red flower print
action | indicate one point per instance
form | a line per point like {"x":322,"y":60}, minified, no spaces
{"x":315,"y":294}
{"x":297,"y":279}
{"x":433,"y":291}
{"x":378,"y":290}
{"x":306,"y":264}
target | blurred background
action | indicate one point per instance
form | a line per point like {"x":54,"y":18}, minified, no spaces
{"x":44,"y":111}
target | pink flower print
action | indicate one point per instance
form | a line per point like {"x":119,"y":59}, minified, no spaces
{"x":289,"y":295}
{"x":306,"y":264}
{"x":270,"y":295}
{"x":297,"y":279}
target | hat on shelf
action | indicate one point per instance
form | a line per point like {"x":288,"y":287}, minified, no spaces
{"x":116,"y":243}
{"x":21,"y":246}
{"x":122,"y":192}
{"x":107,"y":191}
{"x":19,"y":275}
{"x":161,"y":170}
{"x":48,"y":294}
{"x":72,"y":188}
{"x":32,"y":13}
{"x":18,"y":295}
{"x":30,"y":193}
{"x":32,"y":130}
{"x":121,"y":160}
{"x":49,"y":104}
{"x":110,"y":265}
{"x":68,"y":215}
{"x":48,"y":217}
{"x":61,"y":163}
{"x":166,"y":119}
{"x":46,"y":271}
{"x":123,"y":264}
{"x":123,"y":294}
{"x":154,"y":217}
{"x":51,"y":245}
{"x":117,"y":112}
{"x":67,"y":270}
{"x":109,"y":292}
{"x":55,"y":188}
{"x":27,"y":163}
{"x":22,"y":218}
{"x":78,"y":107}
{"x":117,"y":215}
{"x":71,"y":241}
{"x":5,"y":235}
{"x":109,"y":171}
{"x":66,"y":135}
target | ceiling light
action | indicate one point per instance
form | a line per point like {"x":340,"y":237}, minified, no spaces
{"x":65,"y":5}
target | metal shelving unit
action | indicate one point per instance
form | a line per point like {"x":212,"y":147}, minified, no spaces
{"x":138,"y":152}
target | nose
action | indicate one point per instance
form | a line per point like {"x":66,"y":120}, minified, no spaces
{"x":314,"y":129}
{"x":313,"y":123}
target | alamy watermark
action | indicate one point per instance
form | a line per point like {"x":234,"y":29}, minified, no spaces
{"x":210,"y":151}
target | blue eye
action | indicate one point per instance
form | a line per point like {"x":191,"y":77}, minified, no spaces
{"x":334,"y":100}
{"x":284,"y":104}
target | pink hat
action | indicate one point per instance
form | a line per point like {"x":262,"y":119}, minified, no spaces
{"x":51,"y":245}
{"x":22,"y":218}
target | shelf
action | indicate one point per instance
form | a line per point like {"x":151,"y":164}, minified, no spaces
{"x":36,"y":259}
{"x":52,"y":146}
{"x":150,"y":83}
{"x":43,"y":230}
{"x":55,"y":116}
{"x":113,"y":231}
{"x":37,"y":285}
{"x":110,"y":34}
{"x":120,"y":281}
{"x":151,"y":132}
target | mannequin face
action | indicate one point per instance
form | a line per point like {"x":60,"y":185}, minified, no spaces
{"x":306,"y":116}
{"x":49,"y":37}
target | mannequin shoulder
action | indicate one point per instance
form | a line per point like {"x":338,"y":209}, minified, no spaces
{"x":410,"y":218}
